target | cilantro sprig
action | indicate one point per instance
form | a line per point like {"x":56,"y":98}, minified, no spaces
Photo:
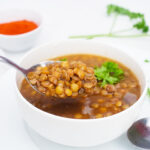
{"x":146,"y":60}
{"x":140,"y":25}
{"x":108,"y":73}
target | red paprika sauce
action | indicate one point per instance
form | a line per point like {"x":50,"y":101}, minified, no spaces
{"x":17,"y":27}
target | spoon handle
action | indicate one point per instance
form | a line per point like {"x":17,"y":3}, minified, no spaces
{"x":7,"y":61}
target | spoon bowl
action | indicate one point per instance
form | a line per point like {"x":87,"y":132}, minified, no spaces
{"x":139,"y":133}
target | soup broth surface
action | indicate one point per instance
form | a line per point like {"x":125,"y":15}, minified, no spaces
{"x":107,"y":103}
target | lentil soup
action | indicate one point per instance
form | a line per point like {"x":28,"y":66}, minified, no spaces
{"x":102,"y":101}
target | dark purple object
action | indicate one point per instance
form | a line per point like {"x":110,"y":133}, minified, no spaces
{"x":130,"y":98}
{"x":139,"y":133}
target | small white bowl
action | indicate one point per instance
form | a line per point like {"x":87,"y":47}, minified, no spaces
{"x":23,"y":41}
{"x":79,"y":132}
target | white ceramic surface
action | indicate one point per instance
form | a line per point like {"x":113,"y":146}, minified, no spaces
{"x":24,"y":41}
{"x":76,"y":132}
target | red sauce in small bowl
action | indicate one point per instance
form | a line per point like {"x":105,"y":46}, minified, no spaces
{"x":17,"y":27}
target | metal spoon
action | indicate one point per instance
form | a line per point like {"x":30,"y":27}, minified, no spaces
{"x":139,"y":133}
{"x":26,"y":71}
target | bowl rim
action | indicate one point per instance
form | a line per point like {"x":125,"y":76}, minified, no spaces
{"x":39,"y":26}
{"x":49,"y":115}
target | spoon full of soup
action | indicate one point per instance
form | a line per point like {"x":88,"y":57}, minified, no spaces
{"x":59,"y":79}
{"x":24,"y":71}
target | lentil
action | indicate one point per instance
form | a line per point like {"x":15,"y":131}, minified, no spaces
{"x":70,"y":77}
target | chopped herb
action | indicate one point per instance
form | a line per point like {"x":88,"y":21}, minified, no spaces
{"x":146,"y":60}
{"x":108,"y":73}
{"x":148,"y":92}
{"x":63,"y":59}
{"x":111,"y":8}
{"x":140,"y":24}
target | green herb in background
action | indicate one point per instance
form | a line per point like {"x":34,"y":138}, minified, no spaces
{"x":146,"y":60}
{"x":63,"y":59}
{"x":148,"y":92}
{"x":140,"y":25}
{"x":108,"y":73}
{"x":117,"y":10}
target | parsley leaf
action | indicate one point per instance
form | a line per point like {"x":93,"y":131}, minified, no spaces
{"x":63,"y":59}
{"x":140,"y":25}
{"x":148,"y":92}
{"x":146,"y":60}
{"x":123,"y":11}
{"x":108,"y":73}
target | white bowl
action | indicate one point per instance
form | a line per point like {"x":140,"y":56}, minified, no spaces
{"x":76,"y":132}
{"x":24,"y":41}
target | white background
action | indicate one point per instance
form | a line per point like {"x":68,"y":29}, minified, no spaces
{"x":62,"y":18}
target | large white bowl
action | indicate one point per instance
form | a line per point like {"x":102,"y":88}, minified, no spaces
{"x":20,"y":42}
{"x":76,"y":132}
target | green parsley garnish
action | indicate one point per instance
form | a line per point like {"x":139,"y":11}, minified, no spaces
{"x":146,"y":60}
{"x":140,"y":24}
{"x":148,"y":92}
{"x":63,"y":59}
{"x":108,"y":73}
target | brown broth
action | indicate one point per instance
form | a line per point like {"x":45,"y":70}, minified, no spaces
{"x":96,"y":106}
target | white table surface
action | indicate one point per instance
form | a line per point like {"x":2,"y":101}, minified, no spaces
{"x":62,"y":18}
